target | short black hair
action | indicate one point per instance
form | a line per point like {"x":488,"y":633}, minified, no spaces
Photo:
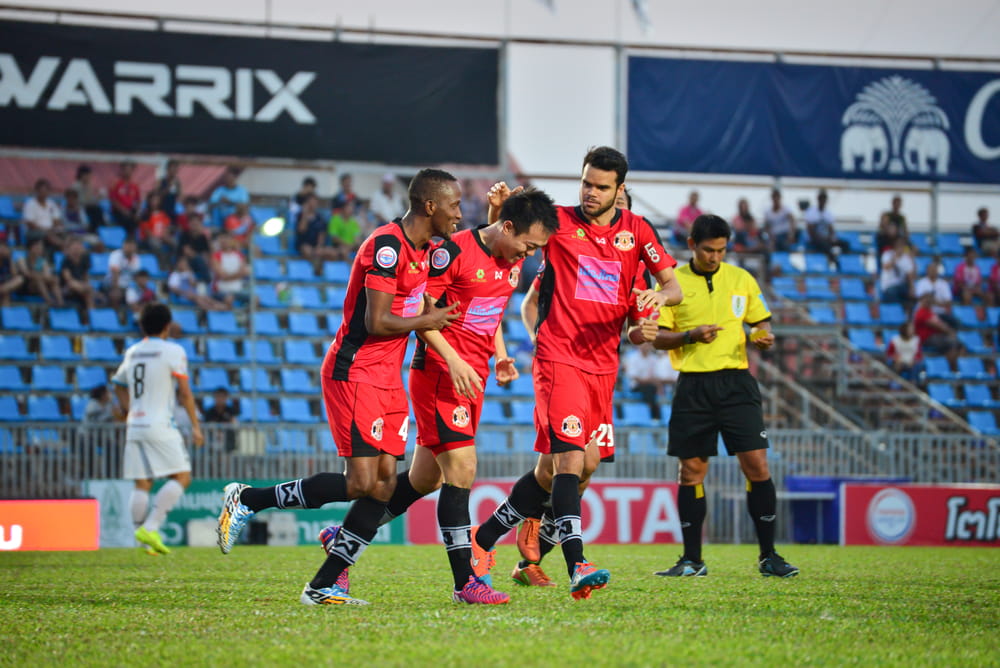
{"x":42,"y":182}
{"x":142,"y":272}
{"x":427,"y":184}
{"x":709,"y":226}
{"x":608,"y":159}
{"x":98,"y":391}
{"x":155,"y":318}
{"x":528,"y":207}
{"x":309,"y":181}
{"x":81,"y":170}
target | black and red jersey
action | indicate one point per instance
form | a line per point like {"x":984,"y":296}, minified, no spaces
{"x":388,"y":262}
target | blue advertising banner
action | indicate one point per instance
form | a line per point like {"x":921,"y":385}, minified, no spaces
{"x":717,"y":116}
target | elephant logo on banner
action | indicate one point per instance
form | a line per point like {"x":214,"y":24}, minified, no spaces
{"x":896,"y":126}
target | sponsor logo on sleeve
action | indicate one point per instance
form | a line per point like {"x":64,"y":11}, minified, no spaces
{"x":386,"y":257}
{"x":440,"y":258}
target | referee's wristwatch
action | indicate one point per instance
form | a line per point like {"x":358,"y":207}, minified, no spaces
{"x":687,"y":338}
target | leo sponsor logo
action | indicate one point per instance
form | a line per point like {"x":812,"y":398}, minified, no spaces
{"x":460,"y":417}
{"x":386,"y":257}
{"x":891,"y":516}
{"x":624,"y":241}
{"x":514,"y":277}
{"x":377,"y":428}
{"x":571,"y":426}
{"x":964,"y":524}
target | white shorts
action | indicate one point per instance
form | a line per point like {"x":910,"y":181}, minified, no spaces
{"x":154,"y":453}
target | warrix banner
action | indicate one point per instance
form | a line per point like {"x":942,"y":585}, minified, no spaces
{"x":132,"y":90}
{"x":717,"y":116}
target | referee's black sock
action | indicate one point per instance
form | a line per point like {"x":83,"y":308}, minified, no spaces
{"x":762,"y":502}
{"x":403,"y":497}
{"x":360,"y":527}
{"x":311,"y":492}
{"x":566,"y":508}
{"x":453,"y":518}
{"x":691,"y":509}
{"x":525,"y":500}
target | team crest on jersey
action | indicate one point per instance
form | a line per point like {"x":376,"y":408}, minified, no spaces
{"x":571,"y":426}
{"x":514,"y":276}
{"x":440,"y":258}
{"x":386,"y":257}
{"x":377,"y":426}
{"x":739,"y":305}
{"x":460,"y":417}
{"x":625,"y":241}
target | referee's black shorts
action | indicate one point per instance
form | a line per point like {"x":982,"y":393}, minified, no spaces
{"x":707,"y":404}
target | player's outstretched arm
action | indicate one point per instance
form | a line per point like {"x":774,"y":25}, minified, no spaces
{"x":669,"y":291}
{"x":668,"y":339}
{"x":465,"y":379}
{"x":381,"y":321}
{"x":506,"y":371}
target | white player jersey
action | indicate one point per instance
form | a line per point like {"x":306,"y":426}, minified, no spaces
{"x":149,"y":371}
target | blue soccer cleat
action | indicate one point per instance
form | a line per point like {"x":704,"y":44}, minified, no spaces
{"x":328,"y":596}
{"x":234,"y":516}
{"x":586,"y":578}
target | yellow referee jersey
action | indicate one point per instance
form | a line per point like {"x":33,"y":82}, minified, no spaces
{"x":728,"y":298}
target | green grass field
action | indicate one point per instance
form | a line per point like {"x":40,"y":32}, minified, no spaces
{"x":868,"y":606}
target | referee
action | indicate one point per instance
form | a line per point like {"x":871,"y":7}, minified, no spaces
{"x":715,"y":392}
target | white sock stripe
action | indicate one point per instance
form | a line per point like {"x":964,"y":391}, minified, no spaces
{"x":570,"y":527}
{"x":456,"y":538}
{"x":507,"y":516}
{"x":289,"y":494}
{"x":348,"y":546}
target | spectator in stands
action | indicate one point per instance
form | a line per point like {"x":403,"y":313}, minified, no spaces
{"x":935,"y":335}
{"x":344,"y":232}
{"x":474,"y":205}
{"x":225,"y":198}
{"x":903,"y":353}
{"x":686,"y":216}
{"x":195,"y":245}
{"x":125,"y":199}
{"x":779,"y":225}
{"x":11,"y":279}
{"x":939,"y":290}
{"x":123,"y":263}
{"x":229,"y":270}
{"x":820,"y":229}
{"x":156,"y":233}
{"x":898,"y":271}
{"x":74,"y":274}
{"x":76,"y":224}
{"x":183,"y":283}
{"x":140,"y":292}
{"x":387,"y":204}
{"x":969,"y":279}
{"x":101,"y":408}
{"x":39,"y":279}
{"x":311,"y":234}
{"x":169,"y":189}
{"x":240,"y":225}
{"x":42,"y":217}
{"x":307,"y":188}
{"x":648,"y":375}
{"x":90,"y":196}
{"x":892,"y":226}
{"x":986,"y":236}
{"x":191,"y":207}
{"x":223,"y":411}
{"x":346,"y":193}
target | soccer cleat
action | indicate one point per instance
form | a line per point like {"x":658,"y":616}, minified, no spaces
{"x":326,"y":537}
{"x":774,"y":564}
{"x":154,"y":544}
{"x":586,"y":578}
{"x":531,"y":575}
{"x":527,"y":539}
{"x":234,"y":516}
{"x":685,"y":568}
{"x":477,"y":591}
{"x":328,"y":596}
{"x":482,"y":561}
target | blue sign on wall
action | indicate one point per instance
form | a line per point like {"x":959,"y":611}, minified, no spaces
{"x":717,"y":116}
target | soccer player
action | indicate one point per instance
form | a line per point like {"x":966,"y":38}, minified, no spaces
{"x":590,"y":267}
{"x":479,"y":268}
{"x":715,"y":391}
{"x":153,"y":373}
{"x":362,"y":386}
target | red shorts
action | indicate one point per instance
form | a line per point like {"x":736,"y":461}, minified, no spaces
{"x":365,"y":420}
{"x":445,"y":420}
{"x":573,"y":408}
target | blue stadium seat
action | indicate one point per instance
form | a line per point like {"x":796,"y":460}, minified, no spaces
{"x":978,"y":396}
{"x":522,"y":412}
{"x":307,"y":296}
{"x":149,"y":262}
{"x":222,"y":351}
{"x":326,"y":442}
{"x":984,"y":422}
{"x":857,"y":314}
{"x":864,"y":339}
{"x":261,"y":414}
{"x":301,"y":271}
{"x":262,"y":352}
{"x":855,"y":240}
{"x":49,"y":378}
{"x":853,"y":289}
{"x":823,"y":315}
{"x":336,"y":272}
{"x":949,"y":265}
{"x":78,"y":406}
{"x":267,"y":269}
{"x":949,"y":243}
{"x":985,"y":265}
{"x":188,"y":321}
{"x":783,"y":262}
{"x":111,"y":236}
{"x":968,"y":316}
{"x":58,"y":348}
{"x":938,"y":368}
{"x":303,"y":324}
{"x":922,"y":262}
{"x":943,"y":393}
{"x":516,"y":331}
{"x":818,"y":263}
{"x":65,"y":320}
{"x":105,"y":320}
{"x":224,"y":322}
{"x":268,"y":297}
{"x":48,"y":440}
{"x":8,"y":211}
{"x":973,"y":342}
{"x":852,"y":265}
{"x":921,"y":242}
{"x":9,"y":411}
{"x":493,"y":413}
{"x":972,"y":368}
{"x":269,"y":245}
{"x":99,"y":264}
{"x":89,"y":377}
{"x":993,"y":316}
{"x":188,"y":346}
{"x":290,"y":442}
{"x":211,"y":379}
{"x":644,"y":443}
{"x":18,"y":318}
{"x":295,"y":410}
{"x":297,"y":381}
{"x":265,"y":323}
{"x":892,"y":315}
{"x":44,"y":409}
{"x":335,"y":298}
{"x":14,"y":348}
{"x":819,"y":289}
{"x":263,"y":381}
{"x":492,"y":441}
{"x":261,"y":214}
{"x":514,"y":305}
{"x":7,"y":444}
{"x":10,"y":379}
{"x":522,"y":386}
{"x":300,"y":352}
{"x":636,"y":413}
{"x":787,"y":287}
